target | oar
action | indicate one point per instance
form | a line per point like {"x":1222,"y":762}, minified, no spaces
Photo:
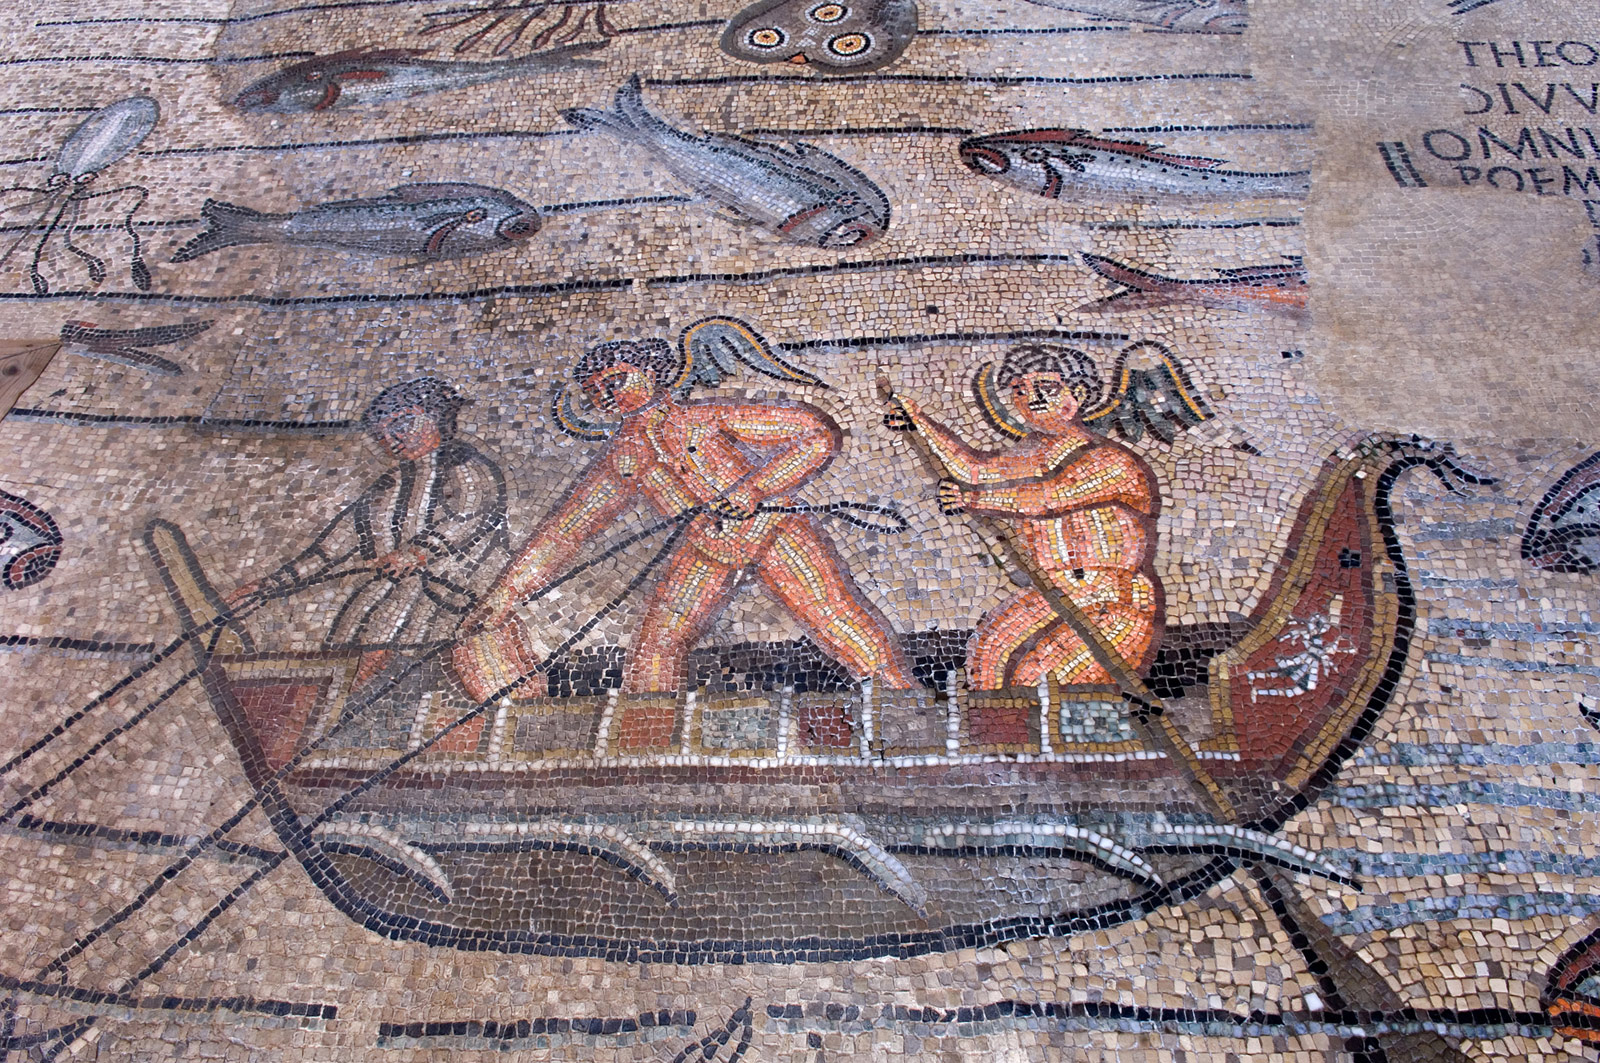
{"x":1151,"y":718}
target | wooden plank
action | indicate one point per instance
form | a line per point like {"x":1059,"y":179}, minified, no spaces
{"x":21,"y":362}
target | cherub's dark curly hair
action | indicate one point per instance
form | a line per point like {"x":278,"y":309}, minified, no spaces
{"x":437,"y":398}
{"x":1076,"y":369}
{"x":655,"y":356}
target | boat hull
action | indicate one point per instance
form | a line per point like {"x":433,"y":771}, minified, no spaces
{"x":830,"y":824}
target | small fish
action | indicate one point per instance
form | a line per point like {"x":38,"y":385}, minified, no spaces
{"x":1275,"y":287}
{"x":1182,"y":16}
{"x":802,"y":194}
{"x":424,"y":221}
{"x":122,"y":345}
{"x":1563,"y":535}
{"x":361,"y":76}
{"x":1046,"y":161}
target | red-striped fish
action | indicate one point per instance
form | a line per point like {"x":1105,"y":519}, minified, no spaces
{"x":1048,"y":162}
{"x":1280,"y":286}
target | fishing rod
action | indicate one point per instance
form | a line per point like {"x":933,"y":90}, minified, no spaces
{"x":1150,"y":714}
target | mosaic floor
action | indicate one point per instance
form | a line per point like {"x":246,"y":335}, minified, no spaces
{"x":807,"y":531}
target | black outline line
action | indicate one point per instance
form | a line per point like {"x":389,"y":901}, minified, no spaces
{"x":241,"y":19}
{"x":1040,"y":31}
{"x":199,"y":1005}
{"x":89,"y":833}
{"x":271,"y":57}
{"x":408,"y":138}
{"x":864,"y":266}
{"x":518,"y":1029}
{"x":113,"y":420}
{"x":275,"y":301}
{"x":944,"y":79}
{"x":860,"y":131}
{"x":66,"y":642}
{"x":1240,"y":127}
{"x":1155,"y":1017}
{"x":1230,"y":223}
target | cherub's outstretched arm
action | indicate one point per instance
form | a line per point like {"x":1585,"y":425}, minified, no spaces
{"x":963,"y":461}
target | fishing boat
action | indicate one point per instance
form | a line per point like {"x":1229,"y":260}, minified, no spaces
{"x":825,"y":823}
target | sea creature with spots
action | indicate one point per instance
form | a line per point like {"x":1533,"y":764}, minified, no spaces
{"x":361,"y":76}
{"x":1278,"y":286}
{"x":421,"y":221}
{"x":1177,"y":16}
{"x":1048,"y":162}
{"x":801,"y":193}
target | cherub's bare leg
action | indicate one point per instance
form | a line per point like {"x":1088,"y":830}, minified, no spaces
{"x":1001,"y":634}
{"x":1123,"y":609}
{"x":803,"y":570}
{"x":691,"y":594}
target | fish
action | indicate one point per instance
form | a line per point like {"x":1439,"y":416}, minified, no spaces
{"x":422,"y":221}
{"x":1563,"y":535}
{"x":800,"y":194}
{"x":123,"y":345}
{"x":1047,"y":161}
{"x":1181,"y":16}
{"x":1280,"y":287}
{"x":363,"y":76}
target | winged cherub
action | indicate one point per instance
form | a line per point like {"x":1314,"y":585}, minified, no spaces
{"x":733,"y":465}
{"x":1084,"y":507}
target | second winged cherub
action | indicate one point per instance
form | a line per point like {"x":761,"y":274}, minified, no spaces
{"x":1084,"y":509}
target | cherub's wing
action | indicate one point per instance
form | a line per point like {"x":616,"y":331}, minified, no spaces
{"x":1150,"y":390}
{"x":713,"y":347}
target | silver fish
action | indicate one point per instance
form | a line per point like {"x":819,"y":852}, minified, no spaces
{"x":424,"y":221}
{"x":801,"y":194}
{"x":1046,"y":161}
{"x":1182,"y":16}
{"x":361,"y":76}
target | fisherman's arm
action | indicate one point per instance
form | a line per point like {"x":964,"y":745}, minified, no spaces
{"x":806,"y":441}
{"x":961,"y":461}
{"x":596,"y":501}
